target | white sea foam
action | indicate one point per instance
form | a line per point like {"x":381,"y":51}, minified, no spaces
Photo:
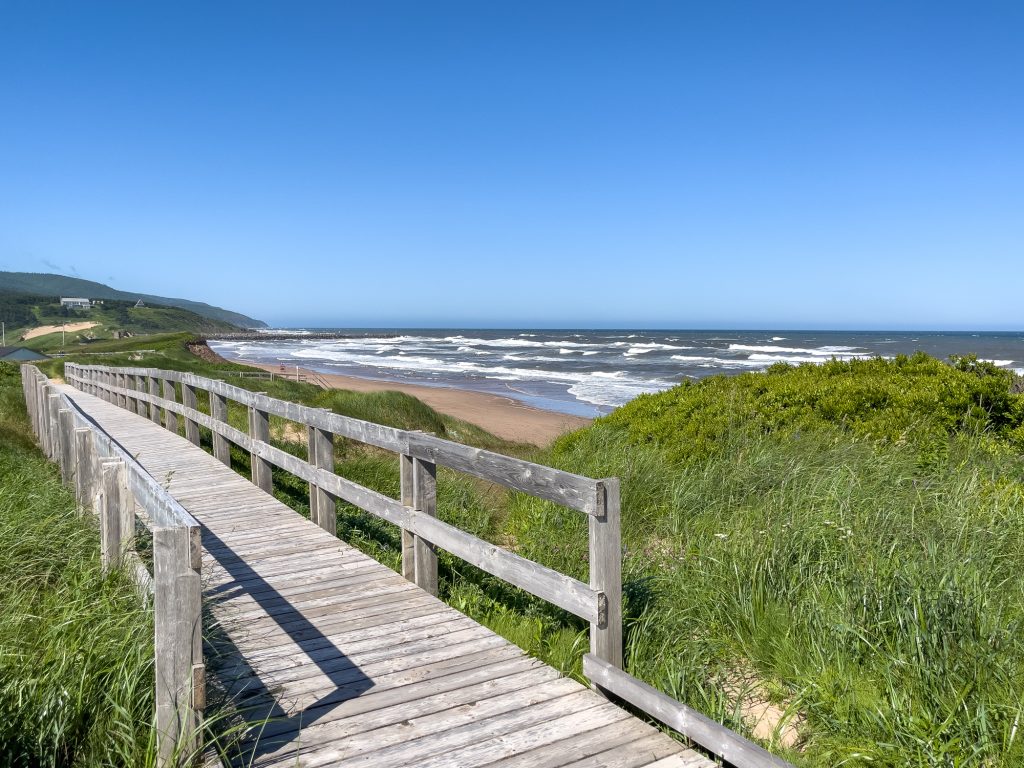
{"x":826,"y":351}
{"x":515,"y":342}
{"x":755,"y":360}
{"x":1000,"y":363}
{"x":705,"y":361}
{"x":605,"y":369}
{"x":613,"y":393}
{"x":636,"y":347}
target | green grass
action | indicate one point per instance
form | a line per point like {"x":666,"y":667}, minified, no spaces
{"x":76,"y":646}
{"x":849,"y":550}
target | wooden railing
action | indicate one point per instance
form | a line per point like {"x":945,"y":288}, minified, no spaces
{"x":111,"y":484}
{"x":164,"y":396}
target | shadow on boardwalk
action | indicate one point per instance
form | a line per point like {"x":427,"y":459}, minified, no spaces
{"x":268,"y":719}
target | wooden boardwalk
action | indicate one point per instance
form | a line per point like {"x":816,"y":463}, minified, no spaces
{"x":343,"y":662}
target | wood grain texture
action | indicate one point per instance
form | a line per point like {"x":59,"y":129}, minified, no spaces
{"x":177,"y":615}
{"x":219,"y":411}
{"x":170,"y":417}
{"x":86,"y":468}
{"x":190,"y":401}
{"x":424,"y":501}
{"x":606,"y":573}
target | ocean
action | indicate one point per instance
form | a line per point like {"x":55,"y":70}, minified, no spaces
{"x":591,"y":372}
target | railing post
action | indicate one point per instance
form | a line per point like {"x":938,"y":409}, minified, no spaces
{"x":259,"y":429}
{"x":40,"y":385}
{"x":141,"y":406}
{"x":67,"y":446}
{"x":606,"y":572}
{"x":115,"y":500}
{"x":405,"y":466}
{"x":177,"y":613}
{"x":219,"y":411}
{"x":188,"y":399}
{"x":424,"y":499}
{"x":129,"y":401}
{"x":28,"y":378}
{"x":53,"y":425}
{"x":170,"y":417}
{"x":85,"y":468}
{"x":114,"y":504}
{"x":322,"y":507}
{"x":41,"y":417}
{"x":154,"y":408}
{"x":122,"y":383}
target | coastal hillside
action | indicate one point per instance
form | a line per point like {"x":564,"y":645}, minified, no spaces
{"x":37,"y":321}
{"x":42,"y":284}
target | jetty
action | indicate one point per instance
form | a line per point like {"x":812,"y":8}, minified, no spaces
{"x":329,"y":657}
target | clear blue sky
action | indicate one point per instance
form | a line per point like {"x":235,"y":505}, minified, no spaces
{"x":679,"y":164}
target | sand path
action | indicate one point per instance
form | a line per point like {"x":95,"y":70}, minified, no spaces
{"x":42,"y":330}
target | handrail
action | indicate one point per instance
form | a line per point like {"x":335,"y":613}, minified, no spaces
{"x":112,"y":484}
{"x":712,"y":735}
{"x":148,"y":391}
{"x":570,"y":490}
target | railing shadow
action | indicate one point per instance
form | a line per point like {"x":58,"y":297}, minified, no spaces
{"x":273,"y":724}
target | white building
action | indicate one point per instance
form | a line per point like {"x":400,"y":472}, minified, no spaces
{"x":75,"y":303}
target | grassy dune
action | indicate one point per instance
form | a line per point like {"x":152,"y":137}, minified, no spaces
{"x":76,"y":646}
{"x":842,"y":542}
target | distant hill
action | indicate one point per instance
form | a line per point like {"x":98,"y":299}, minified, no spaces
{"x":43,"y":319}
{"x":41,"y":284}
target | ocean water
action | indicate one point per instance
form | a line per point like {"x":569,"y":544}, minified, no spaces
{"x":588,"y":372}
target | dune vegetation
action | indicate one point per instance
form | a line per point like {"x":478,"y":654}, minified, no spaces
{"x":827,"y":557}
{"x":76,"y":646}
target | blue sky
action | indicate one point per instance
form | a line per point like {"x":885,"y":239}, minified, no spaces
{"x":722,"y":164}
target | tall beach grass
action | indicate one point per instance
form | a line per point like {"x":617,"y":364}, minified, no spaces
{"x":76,"y":645}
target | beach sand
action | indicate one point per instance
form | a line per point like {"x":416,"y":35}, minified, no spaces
{"x":501,"y":416}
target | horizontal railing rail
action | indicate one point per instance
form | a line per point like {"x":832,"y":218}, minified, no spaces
{"x":110,"y":483}
{"x":154,"y":393}
{"x":700,"y":729}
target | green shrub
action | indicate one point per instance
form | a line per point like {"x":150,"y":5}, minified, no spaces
{"x":915,"y":398}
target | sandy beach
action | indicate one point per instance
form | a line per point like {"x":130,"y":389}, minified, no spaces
{"x":501,"y":416}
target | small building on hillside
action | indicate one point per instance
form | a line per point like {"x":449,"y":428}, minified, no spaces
{"x":75,"y":303}
{"x":20,"y":355}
